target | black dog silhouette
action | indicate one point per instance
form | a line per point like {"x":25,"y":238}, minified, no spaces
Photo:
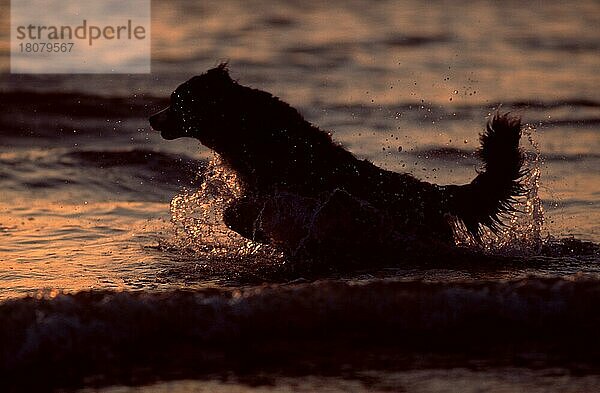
{"x":304,"y":191}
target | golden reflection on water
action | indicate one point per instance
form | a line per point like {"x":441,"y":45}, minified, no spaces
{"x":477,"y":62}
{"x":475,"y":50}
{"x":77,"y":247}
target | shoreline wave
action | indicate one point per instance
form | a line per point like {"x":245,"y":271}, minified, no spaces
{"x":65,"y":338}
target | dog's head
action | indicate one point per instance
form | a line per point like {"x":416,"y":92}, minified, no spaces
{"x":247,"y":127}
{"x":198,"y":108}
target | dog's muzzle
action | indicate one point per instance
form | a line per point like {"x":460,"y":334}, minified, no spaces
{"x":161,"y":121}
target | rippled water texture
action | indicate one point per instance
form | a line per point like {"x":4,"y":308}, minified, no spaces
{"x":91,"y":198}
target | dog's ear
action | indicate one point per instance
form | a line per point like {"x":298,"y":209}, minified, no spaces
{"x":220,"y":72}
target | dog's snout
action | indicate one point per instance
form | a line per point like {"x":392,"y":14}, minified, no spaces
{"x":159,"y":120}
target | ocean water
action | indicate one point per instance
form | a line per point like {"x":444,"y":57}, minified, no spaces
{"x":115,"y":271}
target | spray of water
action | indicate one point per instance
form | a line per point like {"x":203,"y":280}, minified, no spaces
{"x":523,"y":233}
{"x":197,"y":214}
{"x":200,"y":236}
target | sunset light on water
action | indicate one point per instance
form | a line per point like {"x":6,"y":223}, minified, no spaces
{"x":118,"y":271}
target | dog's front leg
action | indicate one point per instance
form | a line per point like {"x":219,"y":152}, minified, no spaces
{"x":242,"y":215}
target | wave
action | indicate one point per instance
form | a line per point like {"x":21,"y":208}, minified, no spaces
{"x":80,"y":104}
{"x":558,"y":43}
{"x":569,"y":102}
{"x":64,"y":339}
{"x":149,"y":159}
{"x":517,"y":104}
{"x":115,"y":174}
{"x":578,"y":122}
{"x":56,"y":117}
{"x":345,"y":48}
{"x":417,"y":40}
{"x":571,"y":113}
{"x":452,"y":154}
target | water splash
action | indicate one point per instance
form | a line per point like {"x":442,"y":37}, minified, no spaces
{"x":197,"y":214}
{"x":523,"y":233}
{"x":200,"y":237}
{"x":208,"y":251}
{"x":199,"y":230}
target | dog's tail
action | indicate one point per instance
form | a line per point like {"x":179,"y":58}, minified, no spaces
{"x":493,"y":191}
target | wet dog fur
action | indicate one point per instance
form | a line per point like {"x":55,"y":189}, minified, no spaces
{"x":304,"y":191}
